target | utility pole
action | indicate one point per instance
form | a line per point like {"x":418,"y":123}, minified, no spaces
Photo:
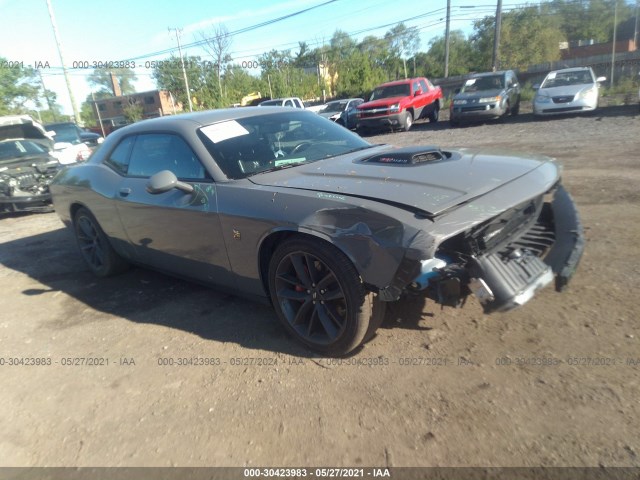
{"x":46,"y":96}
{"x":446,"y":40}
{"x":95,"y":105}
{"x":496,"y":37}
{"x":615,"y":33}
{"x":635,"y":30}
{"x":76,"y":113}
{"x":184,"y":72}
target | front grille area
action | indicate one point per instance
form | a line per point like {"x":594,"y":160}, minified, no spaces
{"x":561,"y":110}
{"x":479,"y":108}
{"x":374,"y":112}
{"x":563,"y":99}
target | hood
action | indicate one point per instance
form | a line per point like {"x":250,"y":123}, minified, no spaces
{"x":480,"y":94}
{"x":563,"y":90}
{"x":14,"y":127}
{"x":422,"y":179}
{"x":381,"y":102}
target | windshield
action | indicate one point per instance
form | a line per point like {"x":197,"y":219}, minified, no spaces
{"x":271,"y":103}
{"x":333,"y":107}
{"x":256,"y":144}
{"x":65,"y":133}
{"x":493,"y":82}
{"x":560,"y":79}
{"x":14,"y":149}
{"x":402,"y":90}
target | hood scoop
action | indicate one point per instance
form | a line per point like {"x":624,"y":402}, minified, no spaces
{"x":405,"y":157}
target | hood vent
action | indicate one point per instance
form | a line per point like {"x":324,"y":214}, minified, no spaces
{"x":407,"y":156}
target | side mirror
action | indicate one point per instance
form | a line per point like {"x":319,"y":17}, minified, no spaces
{"x":536,"y":86}
{"x":456,"y":91}
{"x":166,"y":180}
{"x":601,"y":79}
{"x":418,"y":92}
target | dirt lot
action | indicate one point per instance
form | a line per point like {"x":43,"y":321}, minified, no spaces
{"x":555,"y":383}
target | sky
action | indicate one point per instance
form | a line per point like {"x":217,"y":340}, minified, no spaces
{"x":115,"y":30}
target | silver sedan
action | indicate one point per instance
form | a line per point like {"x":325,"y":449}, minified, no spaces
{"x":571,"y":90}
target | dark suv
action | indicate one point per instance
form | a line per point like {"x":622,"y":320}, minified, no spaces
{"x":486,"y":96}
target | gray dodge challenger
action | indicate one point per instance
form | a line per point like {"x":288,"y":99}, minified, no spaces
{"x":288,"y":207}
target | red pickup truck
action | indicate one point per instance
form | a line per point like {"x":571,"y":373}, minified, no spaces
{"x":398,"y":104}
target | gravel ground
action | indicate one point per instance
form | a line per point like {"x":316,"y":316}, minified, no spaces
{"x":555,"y":383}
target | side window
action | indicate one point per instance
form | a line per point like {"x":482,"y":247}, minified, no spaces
{"x":423,"y":85}
{"x":416,"y":87}
{"x":288,"y":103}
{"x":155,"y":152}
{"x":119,"y":158}
{"x":298,"y":103}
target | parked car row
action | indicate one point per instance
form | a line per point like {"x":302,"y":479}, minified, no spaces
{"x":484,"y":96}
{"x":31,"y":154}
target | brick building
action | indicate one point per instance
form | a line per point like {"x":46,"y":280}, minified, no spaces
{"x":155,"y":103}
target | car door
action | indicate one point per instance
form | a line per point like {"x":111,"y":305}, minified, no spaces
{"x":513,"y":89}
{"x":352,"y":113}
{"x":173,"y":231}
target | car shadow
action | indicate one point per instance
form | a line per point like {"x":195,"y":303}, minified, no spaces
{"x":145,"y":296}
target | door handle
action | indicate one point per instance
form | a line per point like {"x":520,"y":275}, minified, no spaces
{"x":124,"y":192}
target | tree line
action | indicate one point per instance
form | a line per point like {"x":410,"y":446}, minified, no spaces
{"x":344,"y":67}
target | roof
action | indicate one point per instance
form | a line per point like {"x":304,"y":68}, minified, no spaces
{"x":399,"y":82}
{"x":489,"y":74}
{"x":573,"y":69}
{"x":206,"y":117}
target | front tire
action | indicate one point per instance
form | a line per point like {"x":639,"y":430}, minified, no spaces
{"x":319,"y":296}
{"x":408,"y":121}
{"x":95,"y":247}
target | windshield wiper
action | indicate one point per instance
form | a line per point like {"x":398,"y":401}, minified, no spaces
{"x":273,"y":169}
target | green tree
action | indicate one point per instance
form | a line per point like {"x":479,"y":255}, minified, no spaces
{"x":376,"y":50}
{"x":133,"y":112}
{"x":431,"y":64}
{"x":87,"y":112}
{"x":17,"y":87}
{"x":588,"y":20}
{"x":217,"y":43}
{"x":202,"y":77}
{"x":101,"y":79}
{"x":404,"y":43}
{"x":526,"y":38}
{"x":240,"y":83}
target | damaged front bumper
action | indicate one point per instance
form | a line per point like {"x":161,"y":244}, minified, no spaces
{"x":509,"y":275}
{"x":26,"y":203}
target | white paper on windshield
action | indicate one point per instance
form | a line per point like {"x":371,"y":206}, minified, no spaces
{"x":219,"y":132}
{"x":471,"y":81}
{"x":289,"y":161}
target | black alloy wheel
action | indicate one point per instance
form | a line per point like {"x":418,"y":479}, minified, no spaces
{"x":319,"y":296}
{"x":94,"y":246}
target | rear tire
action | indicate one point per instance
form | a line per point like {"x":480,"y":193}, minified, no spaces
{"x":319,"y":297}
{"x":95,"y":247}
{"x":434,"y":116}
